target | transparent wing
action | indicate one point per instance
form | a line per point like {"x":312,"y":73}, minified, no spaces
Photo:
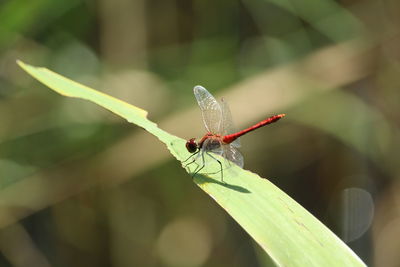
{"x":210,"y":109}
{"x":233,"y":154}
{"x":227,"y":122}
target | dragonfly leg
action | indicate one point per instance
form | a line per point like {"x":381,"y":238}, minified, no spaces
{"x":190,"y":157}
{"x":220,"y":164}
{"x":199,"y":167}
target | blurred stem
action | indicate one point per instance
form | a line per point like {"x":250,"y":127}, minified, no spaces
{"x":123,"y":32}
{"x":18,"y":247}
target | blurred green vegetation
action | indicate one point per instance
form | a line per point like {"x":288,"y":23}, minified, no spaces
{"x":75,"y":193}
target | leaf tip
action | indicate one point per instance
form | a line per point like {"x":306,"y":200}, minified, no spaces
{"x":20,"y":63}
{"x":23,"y":65}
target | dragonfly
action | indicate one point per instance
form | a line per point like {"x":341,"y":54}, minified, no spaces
{"x":221,"y":137}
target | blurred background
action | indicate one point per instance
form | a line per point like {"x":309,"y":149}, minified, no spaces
{"x":81,"y":187}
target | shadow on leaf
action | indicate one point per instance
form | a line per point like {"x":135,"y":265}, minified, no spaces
{"x":202,"y":179}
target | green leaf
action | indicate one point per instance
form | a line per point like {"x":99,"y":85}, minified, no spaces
{"x":283,"y":228}
{"x":329,"y":13}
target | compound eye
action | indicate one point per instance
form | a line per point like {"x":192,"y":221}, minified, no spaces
{"x":191,"y":145}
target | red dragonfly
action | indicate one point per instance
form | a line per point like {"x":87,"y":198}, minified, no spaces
{"x":221,"y":138}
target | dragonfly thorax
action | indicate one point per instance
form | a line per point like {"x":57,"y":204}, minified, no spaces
{"x":210,"y":142}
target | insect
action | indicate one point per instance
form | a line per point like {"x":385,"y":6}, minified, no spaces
{"x":221,"y":138}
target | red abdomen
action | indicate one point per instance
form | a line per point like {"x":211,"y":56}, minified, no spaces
{"x":231,"y":137}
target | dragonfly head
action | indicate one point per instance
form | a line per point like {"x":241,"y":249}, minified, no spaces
{"x":191,"y":145}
